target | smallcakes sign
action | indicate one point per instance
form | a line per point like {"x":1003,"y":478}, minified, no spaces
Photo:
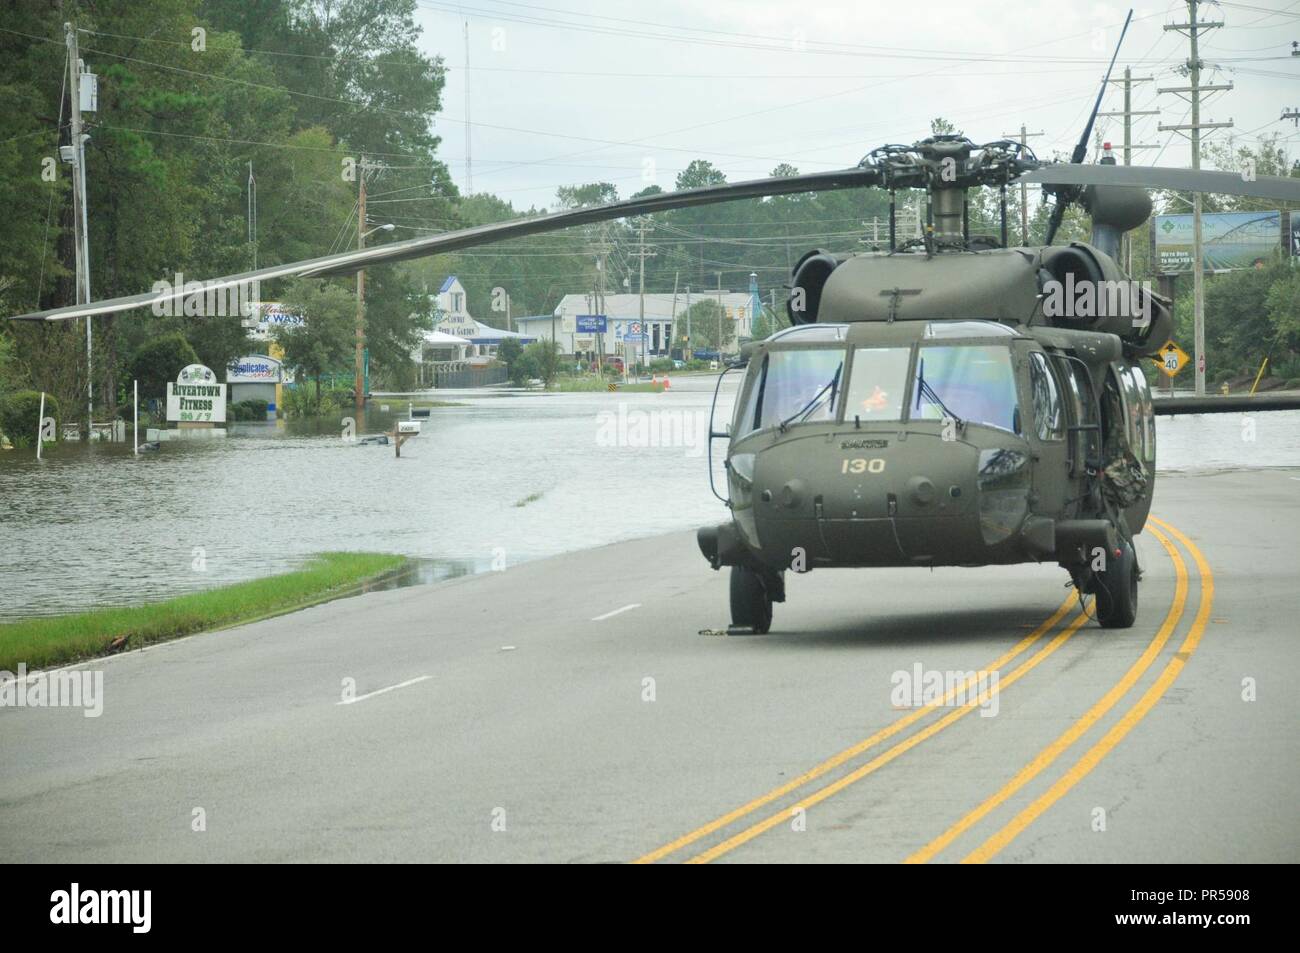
{"x":196,"y":397}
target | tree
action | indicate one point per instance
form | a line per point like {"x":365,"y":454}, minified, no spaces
{"x":509,"y":353}
{"x":698,"y":174}
{"x":20,"y":415}
{"x":324,"y":341}
{"x":544,"y":356}
{"x":943,"y":127}
{"x":706,"y":315}
{"x":585,"y":196}
{"x":157,"y":362}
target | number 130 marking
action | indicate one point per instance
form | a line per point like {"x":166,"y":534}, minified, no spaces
{"x":863,"y":465}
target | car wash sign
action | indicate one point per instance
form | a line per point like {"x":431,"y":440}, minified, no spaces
{"x":196,"y":397}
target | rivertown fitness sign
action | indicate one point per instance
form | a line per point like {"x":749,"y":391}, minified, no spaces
{"x":196,"y":397}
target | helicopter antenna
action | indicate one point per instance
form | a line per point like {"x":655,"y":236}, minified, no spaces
{"x":1064,"y":198}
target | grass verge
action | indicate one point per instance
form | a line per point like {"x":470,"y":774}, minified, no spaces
{"x":582,"y":385}
{"x":56,"y":640}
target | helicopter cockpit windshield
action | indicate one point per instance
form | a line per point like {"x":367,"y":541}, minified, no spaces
{"x":973,"y":383}
{"x":969,"y":381}
{"x":795,"y":386}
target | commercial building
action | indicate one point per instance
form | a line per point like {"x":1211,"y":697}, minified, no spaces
{"x":623,"y":314}
{"x":457,"y":335}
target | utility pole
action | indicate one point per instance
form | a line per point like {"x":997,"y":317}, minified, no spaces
{"x":359,"y":383}
{"x":1193,"y":30}
{"x":722,"y":310}
{"x":81,"y":236}
{"x":252,"y":213}
{"x":1025,"y":136}
{"x":1128,"y":113}
{"x":600,"y":249}
{"x":687,"y":350}
{"x":1293,"y":114}
{"x":672,"y":316}
{"x":642,"y":254}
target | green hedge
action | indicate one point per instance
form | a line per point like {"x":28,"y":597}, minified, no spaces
{"x":253,"y":409}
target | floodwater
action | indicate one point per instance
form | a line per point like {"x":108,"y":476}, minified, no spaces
{"x":503,"y":478}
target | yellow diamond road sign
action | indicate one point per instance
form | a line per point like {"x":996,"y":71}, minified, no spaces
{"x":1171,"y":358}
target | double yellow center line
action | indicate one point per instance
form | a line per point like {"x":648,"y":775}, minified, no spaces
{"x":830,"y":764}
{"x":1139,"y":710}
{"x":1042,"y":761}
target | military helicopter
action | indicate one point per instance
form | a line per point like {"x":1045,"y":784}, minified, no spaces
{"x":947,"y":401}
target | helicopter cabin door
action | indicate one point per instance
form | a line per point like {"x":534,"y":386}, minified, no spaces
{"x":1047,"y":429}
{"x":1129,"y":425}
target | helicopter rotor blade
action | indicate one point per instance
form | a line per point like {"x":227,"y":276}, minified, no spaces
{"x":1275,"y":187}
{"x":1064,"y":199}
{"x":1232,"y":404}
{"x":349,"y":262}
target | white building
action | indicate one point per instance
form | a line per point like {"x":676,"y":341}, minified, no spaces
{"x":457,"y":336}
{"x":623,"y":311}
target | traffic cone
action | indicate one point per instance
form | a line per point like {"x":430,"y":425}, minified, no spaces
{"x":654,"y":380}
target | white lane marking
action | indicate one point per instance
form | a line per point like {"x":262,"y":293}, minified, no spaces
{"x":607,"y":615}
{"x":380,"y":691}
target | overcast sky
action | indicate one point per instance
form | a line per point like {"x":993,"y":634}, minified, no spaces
{"x":570,"y":91}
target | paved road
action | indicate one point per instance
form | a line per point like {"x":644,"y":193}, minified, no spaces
{"x":533,"y":721}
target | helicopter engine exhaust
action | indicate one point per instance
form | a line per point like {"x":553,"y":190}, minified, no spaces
{"x":810,"y":275}
{"x":1085,"y":290}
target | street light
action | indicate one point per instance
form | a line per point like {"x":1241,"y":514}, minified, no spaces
{"x":358,"y":384}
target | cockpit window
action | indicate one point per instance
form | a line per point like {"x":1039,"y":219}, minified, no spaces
{"x":795,"y":386}
{"x":877,"y":384}
{"x":968,"y":329}
{"x":972,"y":382}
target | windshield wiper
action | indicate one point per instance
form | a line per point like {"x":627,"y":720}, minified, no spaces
{"x":923,"y":389}
{"x":831,"y":385}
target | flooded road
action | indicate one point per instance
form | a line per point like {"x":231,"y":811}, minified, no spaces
{"x":503,"y":478}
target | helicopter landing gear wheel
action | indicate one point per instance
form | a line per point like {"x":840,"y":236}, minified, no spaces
{"x":751,"y":600}
{"x":1117,"y":589}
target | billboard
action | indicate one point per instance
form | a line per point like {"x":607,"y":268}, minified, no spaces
{"x":1228,"y":239}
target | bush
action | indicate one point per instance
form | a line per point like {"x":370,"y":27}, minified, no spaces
{"x":300,"y":400}
{"x":525,"y":367}
{"x":253,"y":409}
{"x":159,"y":361}
{"x":20,"y":416}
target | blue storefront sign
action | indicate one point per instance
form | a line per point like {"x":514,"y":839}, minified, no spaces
{"x":592,"y":323}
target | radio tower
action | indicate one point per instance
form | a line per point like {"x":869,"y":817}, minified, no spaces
{"x":469,"y":167}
